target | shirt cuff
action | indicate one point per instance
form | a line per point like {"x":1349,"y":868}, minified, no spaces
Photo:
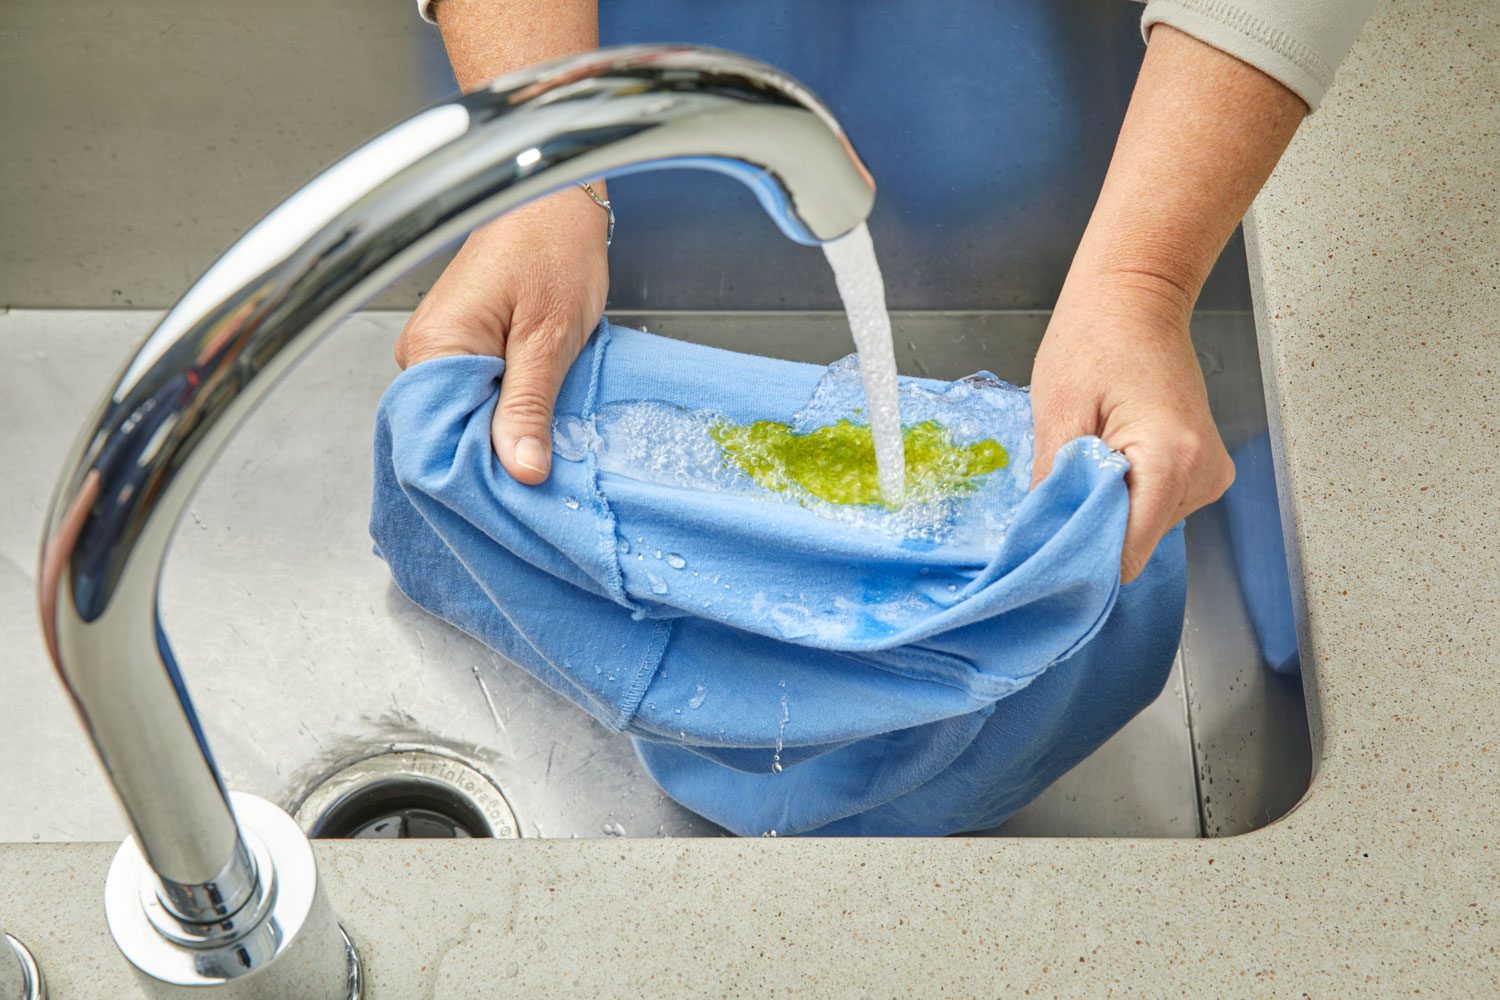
{"x":1298,"y":45}
{"x":424,"y":7}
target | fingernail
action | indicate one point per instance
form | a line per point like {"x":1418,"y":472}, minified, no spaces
{"x":530,"y":454}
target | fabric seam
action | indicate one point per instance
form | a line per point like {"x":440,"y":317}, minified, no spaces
{"x":400,"y":587}
{"x":609,"y":534}
{"x":1093,"y":630}
{"x":1247,"y":24}
{"x":992,"y":688}
{"x":609,"y":540}
{"x":662,"y":629}
{"x":988,"y":711}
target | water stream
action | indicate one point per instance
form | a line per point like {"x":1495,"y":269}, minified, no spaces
{"x":857,"y":274}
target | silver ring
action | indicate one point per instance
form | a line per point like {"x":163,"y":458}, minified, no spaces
{"x":609,"y":236}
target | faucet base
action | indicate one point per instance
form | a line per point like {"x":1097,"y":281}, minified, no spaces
{"x":287,"y":946}
{"x":20,"y":977}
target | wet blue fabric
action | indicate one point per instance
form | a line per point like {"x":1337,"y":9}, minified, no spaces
{"x":944,"y":718}
{"x":1260,"y":554}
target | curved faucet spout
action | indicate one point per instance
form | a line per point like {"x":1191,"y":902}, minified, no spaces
{"x":267,"y":301}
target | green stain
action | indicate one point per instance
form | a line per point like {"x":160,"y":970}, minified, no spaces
{"x":837,"y":463}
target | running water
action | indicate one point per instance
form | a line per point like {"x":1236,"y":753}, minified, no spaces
{"x":857,"y":274}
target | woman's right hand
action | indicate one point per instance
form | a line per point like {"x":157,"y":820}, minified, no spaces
{"x":530,"y":288}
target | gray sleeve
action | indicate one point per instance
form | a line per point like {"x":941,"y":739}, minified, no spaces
{"x":1298,"y":42}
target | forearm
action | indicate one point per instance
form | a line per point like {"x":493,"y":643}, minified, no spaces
{"x":529,"y":286}
{"x":1201,"y":136}
{"x":486,"y":38}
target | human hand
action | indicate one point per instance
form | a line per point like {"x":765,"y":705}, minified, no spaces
{"x":1200,"y":137}
{"x":1117,"y":362}
{"x":528,"y":287}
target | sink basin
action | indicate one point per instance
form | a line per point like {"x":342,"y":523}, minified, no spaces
{"x":303,"y":658}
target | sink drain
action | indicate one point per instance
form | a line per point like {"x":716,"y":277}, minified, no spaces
{"x":406,"y":794}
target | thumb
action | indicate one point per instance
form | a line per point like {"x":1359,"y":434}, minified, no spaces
{"x":1155,"y":505}
{"x":521,"y":432}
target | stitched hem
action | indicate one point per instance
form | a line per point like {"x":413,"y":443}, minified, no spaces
{"x":1260,"y":31}
{"x":1310,"y":83}
{"x":645,"y":673}
{"x":609,"y":533}
{"x":1093,"y":630}
{"x":966,"y":680}
{"x":609,"y":550}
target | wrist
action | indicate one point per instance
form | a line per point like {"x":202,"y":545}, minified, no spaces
{"x":566,"y":216}
{"x":1137,"y":291}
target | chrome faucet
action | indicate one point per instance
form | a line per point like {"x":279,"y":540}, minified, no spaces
{"x":20,"y":979}
{"x":216,"y":888}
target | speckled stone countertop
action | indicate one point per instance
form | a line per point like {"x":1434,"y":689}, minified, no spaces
{"x":1375,"y":254}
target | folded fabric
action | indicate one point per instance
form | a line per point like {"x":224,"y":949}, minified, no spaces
{"x":788,"y":665}
{"x":1260,"y":555}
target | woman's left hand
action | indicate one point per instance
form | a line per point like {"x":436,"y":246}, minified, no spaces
{"x":1117,"y":362}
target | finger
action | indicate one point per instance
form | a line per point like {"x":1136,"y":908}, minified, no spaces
{"x":521,"y":433}
{"x":1156,"y":503}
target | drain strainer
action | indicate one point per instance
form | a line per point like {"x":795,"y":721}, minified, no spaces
{"x":407,"y":793}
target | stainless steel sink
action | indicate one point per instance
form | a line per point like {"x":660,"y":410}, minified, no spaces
{"x":288,"y":628}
